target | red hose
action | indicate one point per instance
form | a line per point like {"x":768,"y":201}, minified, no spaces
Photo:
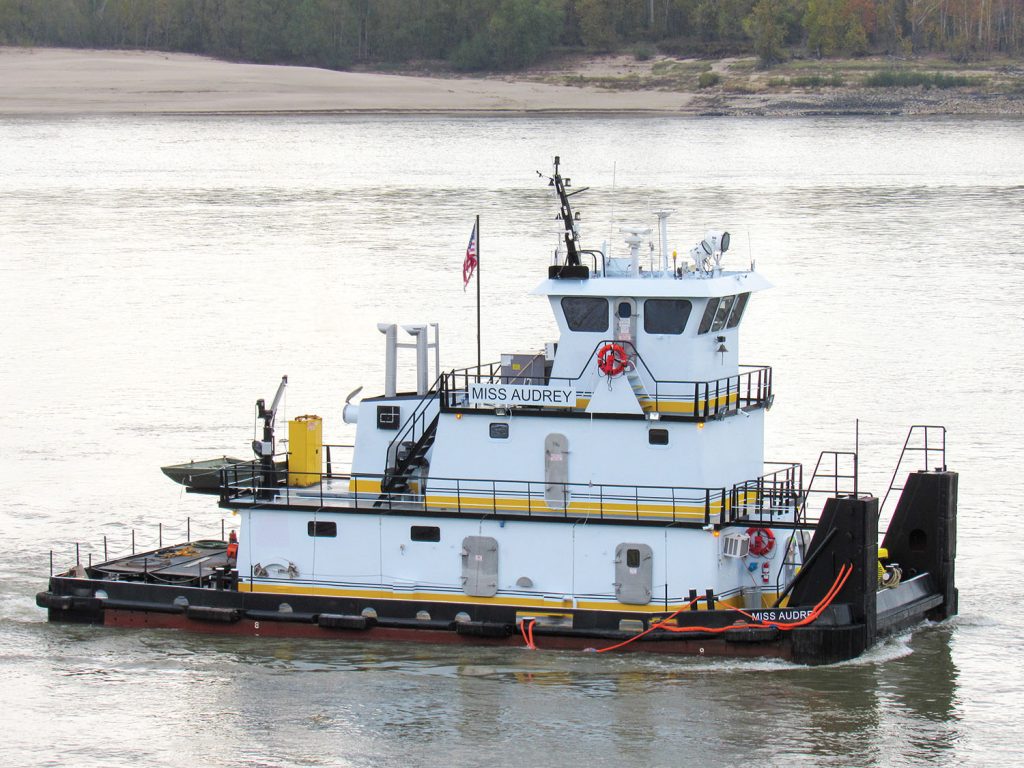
{"x":835,"y":589}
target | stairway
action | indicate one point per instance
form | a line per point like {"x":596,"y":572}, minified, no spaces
{"x":647,"y":403}
{"x":408,"y":457}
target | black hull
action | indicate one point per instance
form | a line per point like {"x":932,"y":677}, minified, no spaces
{"x":838,"y":585}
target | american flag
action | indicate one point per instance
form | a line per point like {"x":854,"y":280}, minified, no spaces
{"x":469,"y":265}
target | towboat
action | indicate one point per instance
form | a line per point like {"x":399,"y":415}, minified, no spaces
{"x":606,"y":491}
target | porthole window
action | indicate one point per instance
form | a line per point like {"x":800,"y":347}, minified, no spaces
{"x":322,"y":528}
{"x":425,"y":533}
{"x":666,"y":315}
{"x":657,"y":436}
{"x":583,"y":313}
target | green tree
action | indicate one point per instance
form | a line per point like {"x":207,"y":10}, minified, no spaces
{"x":597,"y":19}
{"x":765,"y":27}
{"x":833,"y":27}
{"x":517,"y":34}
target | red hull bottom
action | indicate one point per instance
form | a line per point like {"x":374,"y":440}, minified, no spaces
{"x":711,"y":646}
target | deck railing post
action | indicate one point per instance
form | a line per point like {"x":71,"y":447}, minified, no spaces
{"x":77,"y":560}
{"x":222,"y":529}
{"x":188,"y":529}
{"x":51,"y":563}
{"x":105,"y":556}
{"x":133,"y":541}
{"x":161,"y":534}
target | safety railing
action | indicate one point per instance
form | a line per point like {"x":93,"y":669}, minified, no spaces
{"x":773,"y":498}
{"x":694,"y":400}
{"x":924,"y":449}
{"x":152,"y":544}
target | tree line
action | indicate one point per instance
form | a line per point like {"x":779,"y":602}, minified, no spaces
{"x":510,"y":34}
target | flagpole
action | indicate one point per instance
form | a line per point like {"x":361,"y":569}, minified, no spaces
{"x":478,"y":363}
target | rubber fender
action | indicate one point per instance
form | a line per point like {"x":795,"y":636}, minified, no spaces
{"x":89,"y":604}
{"x":483,"y":629}
{"x":209,"y":613}
{"x":340,"y":621}
{"x":752,"y":635}
{"x":50,"y":600}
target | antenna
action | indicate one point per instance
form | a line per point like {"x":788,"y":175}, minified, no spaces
{"x":565,"y":214}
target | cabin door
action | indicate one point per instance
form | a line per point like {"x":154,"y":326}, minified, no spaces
{"x":556,"y":471}
{"x":625,"y":323}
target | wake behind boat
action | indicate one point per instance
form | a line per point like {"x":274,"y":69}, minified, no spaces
{"x":608,"y":491}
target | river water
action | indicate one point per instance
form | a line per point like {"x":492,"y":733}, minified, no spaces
{"x":159,"y":274}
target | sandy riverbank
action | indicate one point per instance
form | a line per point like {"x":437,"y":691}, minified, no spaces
{"x":75,"y":82}
{"x":65,"y":81}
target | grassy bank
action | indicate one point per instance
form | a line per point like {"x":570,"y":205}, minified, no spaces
{"x":859,"y":82}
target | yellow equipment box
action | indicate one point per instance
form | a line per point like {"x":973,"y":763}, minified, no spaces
{"x":305,"y":446}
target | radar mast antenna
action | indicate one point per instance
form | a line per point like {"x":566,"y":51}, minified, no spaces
{"x":565,"y":214}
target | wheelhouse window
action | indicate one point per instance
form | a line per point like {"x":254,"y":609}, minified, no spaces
{"x":666,"y":315}
{"x":737,"y":310}
{"x":583,"y":313}
{"x":322,"y":528}
{"x":709,"y":315}
{"x":724,"y":312}
{"x":722,"y":315}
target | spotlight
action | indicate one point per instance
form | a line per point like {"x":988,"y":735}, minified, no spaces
{"x":715,"y":240}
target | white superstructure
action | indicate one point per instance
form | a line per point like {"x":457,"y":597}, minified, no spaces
{"x":618,"y":468}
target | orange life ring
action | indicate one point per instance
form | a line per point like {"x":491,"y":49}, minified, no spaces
{"x":762,"y":541}
{"x":612,"y":359}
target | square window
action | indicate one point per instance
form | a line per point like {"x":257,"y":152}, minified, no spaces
{"x":583,"y":313}
{"x":425,"y":533}
{"x":657,"y":436}
{"x":498,"y":431}
{"x":322,"y":528}
{"x":666,"y":315}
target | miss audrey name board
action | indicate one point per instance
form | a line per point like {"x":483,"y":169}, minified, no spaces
{"x":522,"y":394}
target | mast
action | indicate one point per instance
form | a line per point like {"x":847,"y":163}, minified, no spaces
{"x":572,"y":235}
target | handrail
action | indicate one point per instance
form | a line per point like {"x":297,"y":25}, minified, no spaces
{"x":752,"y":385}
{"x":417,"y":416}
{"x":760,"y":501}
{"x":923,"y":430}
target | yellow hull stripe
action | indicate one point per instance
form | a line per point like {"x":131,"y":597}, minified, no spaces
{"x":443,"y":597}
{"x":616,"y":509}
{"x":675,"y":406}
